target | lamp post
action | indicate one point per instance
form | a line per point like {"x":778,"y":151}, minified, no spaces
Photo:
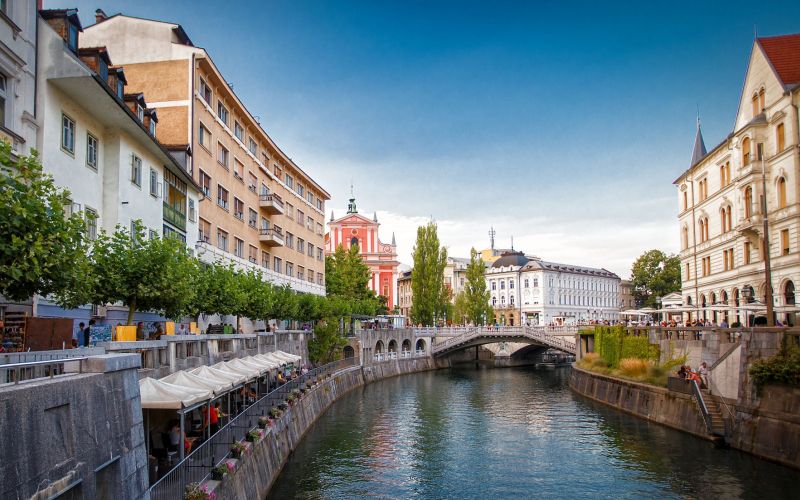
{"x":747,"y":293}
{"x":660,"y":313}
{"x":767,"y":264}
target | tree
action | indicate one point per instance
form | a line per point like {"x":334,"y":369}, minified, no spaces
{"x":655,"y":274}
{"x":460,"y":310}
{"x":216,"y":291}
{"x":476,"y":293}
{"x":42,"y":250}
{"x":327,"y":343}
{"x":144,"y":274}
{"x":427,"y":277}
{"x":346,"y":278}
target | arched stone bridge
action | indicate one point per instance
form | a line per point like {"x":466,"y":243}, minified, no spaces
{"x":560,"y":338}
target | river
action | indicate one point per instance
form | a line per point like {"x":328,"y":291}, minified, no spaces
{"x":509,"y":433}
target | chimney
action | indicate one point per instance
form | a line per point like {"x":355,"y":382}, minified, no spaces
{"x":99,"y":16}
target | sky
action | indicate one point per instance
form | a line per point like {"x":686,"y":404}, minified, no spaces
{"x":560,"y":124}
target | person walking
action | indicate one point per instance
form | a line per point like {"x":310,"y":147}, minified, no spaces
{"x":87,"y":333}
{"x":702,"y":372}
{"x":77,"y":337}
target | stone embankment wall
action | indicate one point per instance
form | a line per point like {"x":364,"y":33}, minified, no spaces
{"x":769,"y":428}
{"x":78,"y":435}
{"x":256,"y":472}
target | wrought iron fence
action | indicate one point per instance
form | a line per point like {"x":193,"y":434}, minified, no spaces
{"x":196,"y":467}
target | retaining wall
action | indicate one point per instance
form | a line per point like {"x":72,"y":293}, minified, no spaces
{"x":769,"y":429}
{"x":256,"y":472}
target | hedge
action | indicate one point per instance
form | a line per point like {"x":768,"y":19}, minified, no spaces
{"x":613,"y":344}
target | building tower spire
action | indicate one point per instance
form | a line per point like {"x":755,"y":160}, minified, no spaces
{"x":375,"y":216}
{"x":394,"y":243}
{"x":512,"y":242}
{"x":492,"y":232}
{"x":351,"y":207}
{"x":699,"y":151}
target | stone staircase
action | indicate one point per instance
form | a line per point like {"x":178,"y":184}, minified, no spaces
{"x":717,"y":421}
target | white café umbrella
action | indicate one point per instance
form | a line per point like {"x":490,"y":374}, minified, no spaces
{"x":192,"y":381}
{"x":156,"y":394}
{"x":210,"y":373}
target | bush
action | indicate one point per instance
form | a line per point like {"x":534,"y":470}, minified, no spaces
{"x":614,"y":344}
{"x":634,"y":367}
{"x":783,"y":368}
{"x":656,"y":375}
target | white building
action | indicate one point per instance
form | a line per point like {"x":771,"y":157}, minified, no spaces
{"x":18,"y":124}
{"x":532,"y":291}
{"x":99,"y":142}
{"x":455,"y":274}
{"x":719,"y":196}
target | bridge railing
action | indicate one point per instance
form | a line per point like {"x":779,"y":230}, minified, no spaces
{"x":539,"y":334}
{"x":454,"y":331}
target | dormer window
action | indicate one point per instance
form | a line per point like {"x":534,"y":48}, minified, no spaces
{"x":140,"y":112}
{"x":205,"y":91}
{"x":102,"y":69}
{"x":72,"y":37}
{"x":152,"y":127}
{"x":120,"y":89}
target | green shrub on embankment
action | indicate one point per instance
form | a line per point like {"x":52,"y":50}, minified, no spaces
{"x":614,"y":344}
{"x":783,"y":368}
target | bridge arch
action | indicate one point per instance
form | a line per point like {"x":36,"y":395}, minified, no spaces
{"x":406,"y":345}
{"x":393,"y":345}
{"x":379,"y":347}
{"x":349,"y":352}
{"x":421,"y":344}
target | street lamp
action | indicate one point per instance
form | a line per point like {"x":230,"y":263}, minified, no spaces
{"x":660,"y":312}
{"x":767,"y":264}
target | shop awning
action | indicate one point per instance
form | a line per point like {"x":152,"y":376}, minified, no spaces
{"x":192,"y":381}
{"x":239,"y":365}
{"x":156,"y":394}
{"x":253,"y":363}
{"x":272,"y":357}
{"x":292,"y":358}
{"x":210,"y":373}
{"x":243,"y":371}
{"x":265,"y":362}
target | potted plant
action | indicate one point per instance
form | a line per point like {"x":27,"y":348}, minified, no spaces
{"x":253,"y":436}
{"x":283,"y":406}
{"x":194,"y":491}
{"x":218,"y":472}
{"x":238,"y":449}
{"x":296,"y":393}
{"x":290,"y":399}
{"x":263,"y":422}
{"x":275,"y":413}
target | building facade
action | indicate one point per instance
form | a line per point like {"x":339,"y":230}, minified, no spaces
{"x":18,"y":123}
{"x":528,"y":290}
{"x":720,"y":196}
{"x":259,"y":209}
{"x":626,"y":298}
{"x":353,"y":229}
{"x":405,"y":296}
{"x":99,"y":142}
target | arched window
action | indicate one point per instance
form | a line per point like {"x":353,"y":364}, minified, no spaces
{"x":723,"y":222}
{"x":780,"y":137}
{"x":746,"y":151}
{"x":494,"y":301}
{"x":781,"y":192}
{"x":685,"y":238}
{"x":754,"y":103}
{"x":748,"y":202}
{"x":353,"y":241}
{"x":511,"y":299}
{"x":728,"y":218}
{"x":762,"y":99}
{"x":702,"y":227}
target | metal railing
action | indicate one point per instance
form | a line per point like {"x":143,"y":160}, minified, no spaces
{"x":538,"y":334}
{"x":15,"y":372}
{"x":701,"y":403}
{"x":453,"y":331}
{"x":196,"y":467}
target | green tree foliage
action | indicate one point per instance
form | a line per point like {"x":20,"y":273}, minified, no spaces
{"x":478,"y":311}
{"x":783,"y":368}
{"x":346,"y":275}
{"x":655,"y":274}
{"x":427,"y":277}
{"x":144,"y":274}
{"x":41,"y":250}
{"x":613,"y":344}
{"x":216,"y":290}
{"x":460,"y":310}
{"x":327,"y":344}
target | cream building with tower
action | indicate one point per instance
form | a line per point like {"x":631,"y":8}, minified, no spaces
{"x":720,"y":196}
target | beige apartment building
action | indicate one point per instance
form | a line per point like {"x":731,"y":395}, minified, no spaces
{"x":720,"y":197}
{"x":260,"y":209}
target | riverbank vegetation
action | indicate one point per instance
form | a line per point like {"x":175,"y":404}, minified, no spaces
{"x":783,"y":368}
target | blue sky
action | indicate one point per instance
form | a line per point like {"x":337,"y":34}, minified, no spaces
{"x":560,"y":123}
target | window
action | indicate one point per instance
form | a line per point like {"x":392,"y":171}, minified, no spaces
{"x":153,"y":183}
{"x":289,"y":181}
{"x":152,"y":234}
{"x":252,"y":146}
{"x":290,"y":211}
{"x":494,"y":285}
{"x":310,"y":250}
{"x":746,"y":252}
{"x":252,"y":217}
{"x":309,"y":223}
{"x":252,"y":181}
{"x":289,"y":269}
{"x":706,"y":266}
{"x":784,"y":242}
{"x":223,"y":155}
{"x":238,"y":208}
{"x":686,"y":273}
{"x":136,"y":170}
{"x":139,"y":112}
{"x":192,"y":211}
{"x":510,"y":284}
{"x":725,"y":218}
{"x":152,"y":127}
{"x":319,"y":204}
{"x":276,"y":265}
{"x":222,"y":240}
{"x":91,"y":223}
{"x":289,"y":240}
{"x":300,"y":217}
{"x":727,"y":259}
{"x":746,"y":151}
{"x":685,"y":238}
{"x":535,"y":282}
{"x":320,"y":256}
{"x":264,"y":189}
{"x":204,"y":231}
{"x":781,"y":192}
{"x":253,"y":255}
{"x":780,"y":137}
{"x":310,"y":197}
{"x":748,"y":202}
{"x":300,"y":190}
{"x":310,"y":276}
{"x":264,"y":260}
{"x":238,"y":249}
{"x":685,"y":200}
{"x":703,"y":184}
{"x":205,"y":184}
{"x":222,"y":112}
{"x":264,"y":223}
{"x":222,"y":197}
{"x":205,"y":137}
{"x":238,"y":131}
{"x":703,"y":226}
{"x":724,"y":175}
{"x":320,"y":279}
{"x":319,"y":229}
{"x":238,"y":169}
{"x":72,"y":39}
{"x":301,"y":245}
{"x":68,"y":134}
{"x":301,"y":273}
{"x":762,"y":99}
{"x":3,"y":97}
{"x":91,"y":151}
{"x":120,"y":89}
{"x":205,"y":91}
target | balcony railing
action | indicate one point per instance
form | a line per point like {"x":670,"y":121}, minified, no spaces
{"x":271,"y":236}
{"x":271,"y":203}
{"x":174,"y":217}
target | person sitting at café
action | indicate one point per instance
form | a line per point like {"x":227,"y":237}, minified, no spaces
{"x":682,"y":372}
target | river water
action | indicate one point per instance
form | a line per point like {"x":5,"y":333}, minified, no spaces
{"x":509,"y":433}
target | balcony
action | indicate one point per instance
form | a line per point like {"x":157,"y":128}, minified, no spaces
{"x":272,"y":237}
{"x":174,"y":217}
{"x":271,"y":204}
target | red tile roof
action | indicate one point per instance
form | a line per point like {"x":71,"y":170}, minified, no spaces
{"x":784,"y":54}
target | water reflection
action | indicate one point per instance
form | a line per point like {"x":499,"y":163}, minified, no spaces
{"x":508,"y":433}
